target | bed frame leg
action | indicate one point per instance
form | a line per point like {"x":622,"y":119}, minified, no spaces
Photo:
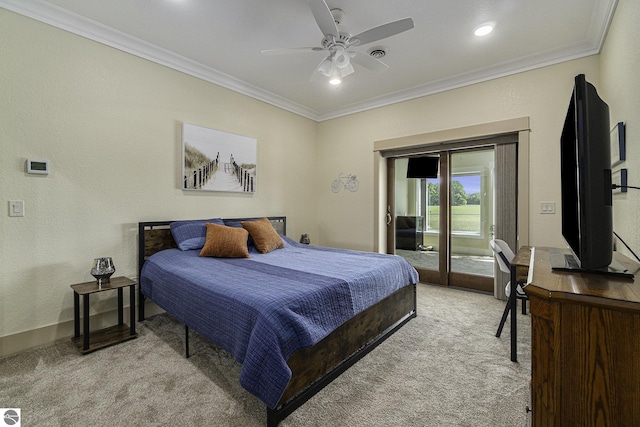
{"x":141,"y":299}
{"x":186,"y":341}
{"x":273,"y":418}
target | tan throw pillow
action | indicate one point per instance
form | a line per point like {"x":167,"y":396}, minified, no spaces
{"x":225,"y":242}
{"x":264,"y":236}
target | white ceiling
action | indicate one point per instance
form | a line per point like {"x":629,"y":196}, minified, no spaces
{"x":220,"y":41}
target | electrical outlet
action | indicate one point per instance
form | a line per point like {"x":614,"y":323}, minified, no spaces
{"x":547,"y":207}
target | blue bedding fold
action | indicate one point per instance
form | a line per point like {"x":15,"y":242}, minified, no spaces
{"x":263,"y":308}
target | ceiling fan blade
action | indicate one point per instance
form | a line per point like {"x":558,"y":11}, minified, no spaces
{"x":369,"y":62}
{"x":286,"y":51}
{"x":324,"y":18}
{"x":384,"y":31}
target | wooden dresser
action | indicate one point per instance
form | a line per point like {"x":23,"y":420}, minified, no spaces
{"x":585,"y":345}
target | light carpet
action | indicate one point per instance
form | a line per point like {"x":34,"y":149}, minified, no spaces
{"x":443,"y":368}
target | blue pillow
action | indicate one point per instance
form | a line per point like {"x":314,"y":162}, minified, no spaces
{"x":191,"y":234}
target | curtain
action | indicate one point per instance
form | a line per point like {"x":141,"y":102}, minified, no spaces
{"x":506,"y":216}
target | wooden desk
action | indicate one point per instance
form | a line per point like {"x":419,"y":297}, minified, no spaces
{"x":585,"y":345}
{"x":521,"y":262}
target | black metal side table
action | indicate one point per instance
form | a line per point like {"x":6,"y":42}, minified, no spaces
{"x":92,"y":341}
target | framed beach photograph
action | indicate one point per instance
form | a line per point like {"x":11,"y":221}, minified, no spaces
{"x":213,"y":160}
{"x":618,"y":144}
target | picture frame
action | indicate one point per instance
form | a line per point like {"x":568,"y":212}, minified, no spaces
{"x":213,"y":160}
{"x":619,"y":178}
{"x":618,"y":144}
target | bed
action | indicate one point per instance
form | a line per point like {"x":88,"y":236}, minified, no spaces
{"x":264,"y":309}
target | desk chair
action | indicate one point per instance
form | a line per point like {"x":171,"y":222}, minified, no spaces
{"x":504,"y":256}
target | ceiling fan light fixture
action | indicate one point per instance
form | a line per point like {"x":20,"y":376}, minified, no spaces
{"x":337,"y":41}
{"x":334,"y":78}
{"x":345,"y":71}
{"x":325,"y":67}
{"x":342,"y":58}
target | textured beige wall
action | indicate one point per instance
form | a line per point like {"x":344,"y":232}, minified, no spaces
{"x":110,"y":123}
{"x":346,"y":219}
{"x":620,"y":88}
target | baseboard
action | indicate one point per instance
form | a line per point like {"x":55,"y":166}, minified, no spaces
{"x":29,"y":340}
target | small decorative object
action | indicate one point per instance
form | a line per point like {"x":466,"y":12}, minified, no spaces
{"x":348,"y":181}
{"x":618,"y":144}
{"x":102,"y":269}
{"x":304,"y":239}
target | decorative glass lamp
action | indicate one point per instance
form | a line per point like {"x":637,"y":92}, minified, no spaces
{"x":102,"y":269}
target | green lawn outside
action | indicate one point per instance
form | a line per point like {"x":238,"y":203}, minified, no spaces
{"x":463,"y":218}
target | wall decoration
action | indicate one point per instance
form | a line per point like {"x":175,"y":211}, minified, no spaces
{"x":213,"y":160}
{"x":348,"y":181}
{"x":618,"y":144}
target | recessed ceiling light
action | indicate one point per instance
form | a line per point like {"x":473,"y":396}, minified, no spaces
{"x":483,"y":30}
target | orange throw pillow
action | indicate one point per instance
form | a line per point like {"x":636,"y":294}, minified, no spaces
{"x":225,"y":242}
{"x":264,"y":236}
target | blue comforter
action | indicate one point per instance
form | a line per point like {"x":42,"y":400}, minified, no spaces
{"x":263,"y":308}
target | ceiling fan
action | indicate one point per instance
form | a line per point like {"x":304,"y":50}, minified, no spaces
{"x":338,"y":43}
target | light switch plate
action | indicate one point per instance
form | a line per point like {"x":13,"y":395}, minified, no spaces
{"x":16,"y":207}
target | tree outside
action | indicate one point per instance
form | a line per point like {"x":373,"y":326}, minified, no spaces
{"x":459,"y":196}
{"x":465,"y":209}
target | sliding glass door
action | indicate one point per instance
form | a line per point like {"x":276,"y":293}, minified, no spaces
{"x":443,"y":223}
{"x":417,"y":217}
{"x":471,"y":205}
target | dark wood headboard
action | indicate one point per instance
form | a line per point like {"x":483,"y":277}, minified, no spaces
{"x":155,"y":236}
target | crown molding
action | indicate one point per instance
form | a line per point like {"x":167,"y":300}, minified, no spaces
{"x":60,"y":18}
{"x":496,"y":71}
{"x":79,"y":25}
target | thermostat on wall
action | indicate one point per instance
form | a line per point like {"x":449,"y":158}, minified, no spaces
{"x":38,"y":166}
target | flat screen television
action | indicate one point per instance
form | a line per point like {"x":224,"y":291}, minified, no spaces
{"x":585,"y":162}
{"x":423,"y":167}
